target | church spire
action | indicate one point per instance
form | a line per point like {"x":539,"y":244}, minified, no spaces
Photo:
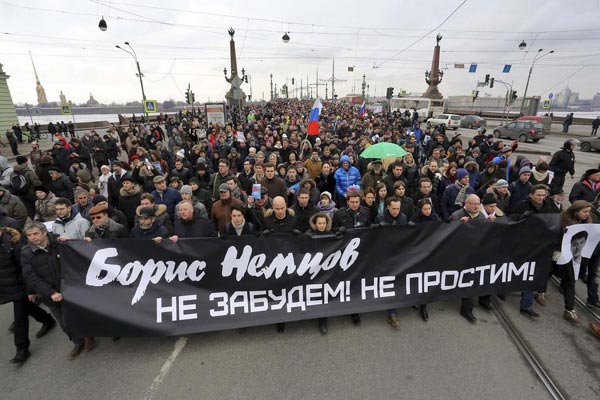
{"x":41,"y":93}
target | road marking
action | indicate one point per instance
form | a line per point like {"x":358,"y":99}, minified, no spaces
{"x":164,"y":370}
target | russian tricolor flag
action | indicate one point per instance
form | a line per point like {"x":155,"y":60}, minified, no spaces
{"x":313,"y":120}
{"x":361,"y":112}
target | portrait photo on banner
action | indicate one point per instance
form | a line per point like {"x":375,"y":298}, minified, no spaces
{"x":578,"y":244}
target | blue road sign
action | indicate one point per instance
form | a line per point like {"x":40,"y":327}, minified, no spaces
{"x":506,"y":68}
{"x":551,"y":95}
{"x":473,"y":68}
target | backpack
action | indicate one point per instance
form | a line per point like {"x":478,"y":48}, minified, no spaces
{"x":19,"y":184}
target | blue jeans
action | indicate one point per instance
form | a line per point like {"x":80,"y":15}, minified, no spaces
{"x":526,"y":300}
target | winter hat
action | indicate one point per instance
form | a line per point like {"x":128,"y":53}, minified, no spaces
{"x":41,"y":188}
{"x":461,"y":173}
{"x":502,"y":183}
{"x":524,"y":170}
{"x":185,"y":189}
{"x":98,"y":199}
{"x":489,"y":199}
{"x":326,"y":194}
{"x":102,"y":168}
{"x":97,"y":209}
{"x":344,"y":158}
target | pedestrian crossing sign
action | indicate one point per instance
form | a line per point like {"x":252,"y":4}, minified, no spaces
{"x":66,"y":109}
{"x":547,"y":104}
{"x":149,"y":106}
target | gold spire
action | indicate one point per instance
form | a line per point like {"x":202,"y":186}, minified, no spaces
{"x":41,"y":93}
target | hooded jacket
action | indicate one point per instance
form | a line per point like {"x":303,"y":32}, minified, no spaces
{"x":32,"y":179}
{"x":74,"y":227}
{"x":44,"y":209}
{"x":345,"y":178}
{"x":41,"y":268}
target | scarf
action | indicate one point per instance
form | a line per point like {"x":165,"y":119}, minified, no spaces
{"x":539,"y":176}
{"x":101,"y":229}
{"x":462,"y":193}
{"x":239,"y":228}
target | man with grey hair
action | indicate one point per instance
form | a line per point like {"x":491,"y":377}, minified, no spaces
{"x":40,"y":262}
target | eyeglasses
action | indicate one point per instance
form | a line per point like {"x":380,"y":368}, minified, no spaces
{"x":95,"y":217}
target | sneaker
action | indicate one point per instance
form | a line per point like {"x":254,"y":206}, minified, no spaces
{"x":77,"y":349}
{"x":571,"y":316}
{"x":540,"y":298}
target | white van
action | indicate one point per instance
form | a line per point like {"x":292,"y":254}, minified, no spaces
{"x":450,"y":121}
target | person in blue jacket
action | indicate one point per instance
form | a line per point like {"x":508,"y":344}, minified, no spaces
{"x":345,"y":176}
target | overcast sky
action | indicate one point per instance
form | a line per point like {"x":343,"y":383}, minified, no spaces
{"x":180,"y":42}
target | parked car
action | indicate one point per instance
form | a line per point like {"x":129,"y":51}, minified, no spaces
{"x":522,"y":130}
{"x":450,"y":121}
{"x":589,"y":144}
{"x":472,"y":122}
{"x":544,"y":120}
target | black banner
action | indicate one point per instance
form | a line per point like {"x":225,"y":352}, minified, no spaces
{"x":131,"y":287}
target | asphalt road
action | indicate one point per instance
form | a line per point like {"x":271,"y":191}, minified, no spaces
{"x":445,"y":358}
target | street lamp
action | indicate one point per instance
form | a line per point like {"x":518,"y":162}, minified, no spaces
{"x":537,"y":57}
{"x":102,"y":24}
{"x":285,"y":37}
{"x":271,"y":86}
{"x":522,"y":45}
{"x":133,"y":54}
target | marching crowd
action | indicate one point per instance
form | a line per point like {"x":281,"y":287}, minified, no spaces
{"x":263,"y":173}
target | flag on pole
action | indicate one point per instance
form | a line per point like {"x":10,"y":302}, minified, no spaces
{"x":313,"y":120}
{"x":361,"y":112}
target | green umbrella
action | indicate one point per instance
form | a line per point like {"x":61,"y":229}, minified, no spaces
{"x":383,"y":150}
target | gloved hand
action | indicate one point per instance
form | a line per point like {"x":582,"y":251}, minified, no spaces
{"x":297,"y":232}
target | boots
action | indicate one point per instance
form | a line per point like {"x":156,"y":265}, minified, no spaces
{"x":21,"y":356}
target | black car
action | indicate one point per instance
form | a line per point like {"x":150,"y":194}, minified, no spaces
{"x":472,"y":122}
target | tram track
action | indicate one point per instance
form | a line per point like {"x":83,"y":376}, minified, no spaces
{"x":529,"y":355}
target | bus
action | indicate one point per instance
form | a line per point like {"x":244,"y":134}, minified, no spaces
{"x":426,"y":108}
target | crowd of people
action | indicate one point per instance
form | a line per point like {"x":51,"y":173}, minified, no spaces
{"x":262,"y":173}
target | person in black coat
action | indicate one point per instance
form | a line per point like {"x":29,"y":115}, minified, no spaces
{"x":325,"y":180}
{"x":587,"y":188}
{"x":392,"y":216}
{"x":60,"y":185}
{"x":190,"y":224}
{"x":148,"y":227}
{"x":238,"y":225}
{"x":563,"y":162}
{"x":12,"y":290}
{"x":40,"y":261}
{"x":304,"y":209}
{"x":353,"y":215}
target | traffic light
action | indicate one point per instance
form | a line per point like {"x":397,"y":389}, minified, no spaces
{"x":487,"y":79}
{"x":513,"y":96}
{"x":292,"y":81}
{"x":390,"y":93}
{"x":187,"y":96}
{"x":491,"y":83}
{"x":192,"y":97}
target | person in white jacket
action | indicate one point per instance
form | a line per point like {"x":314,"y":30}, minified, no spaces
{"x":69,"y":225}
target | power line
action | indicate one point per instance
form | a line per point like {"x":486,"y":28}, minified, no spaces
{"x":424,"y":36}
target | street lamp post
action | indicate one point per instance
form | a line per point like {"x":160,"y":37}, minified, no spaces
{"x":133,"y":54}
{"x":536,"y":58}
